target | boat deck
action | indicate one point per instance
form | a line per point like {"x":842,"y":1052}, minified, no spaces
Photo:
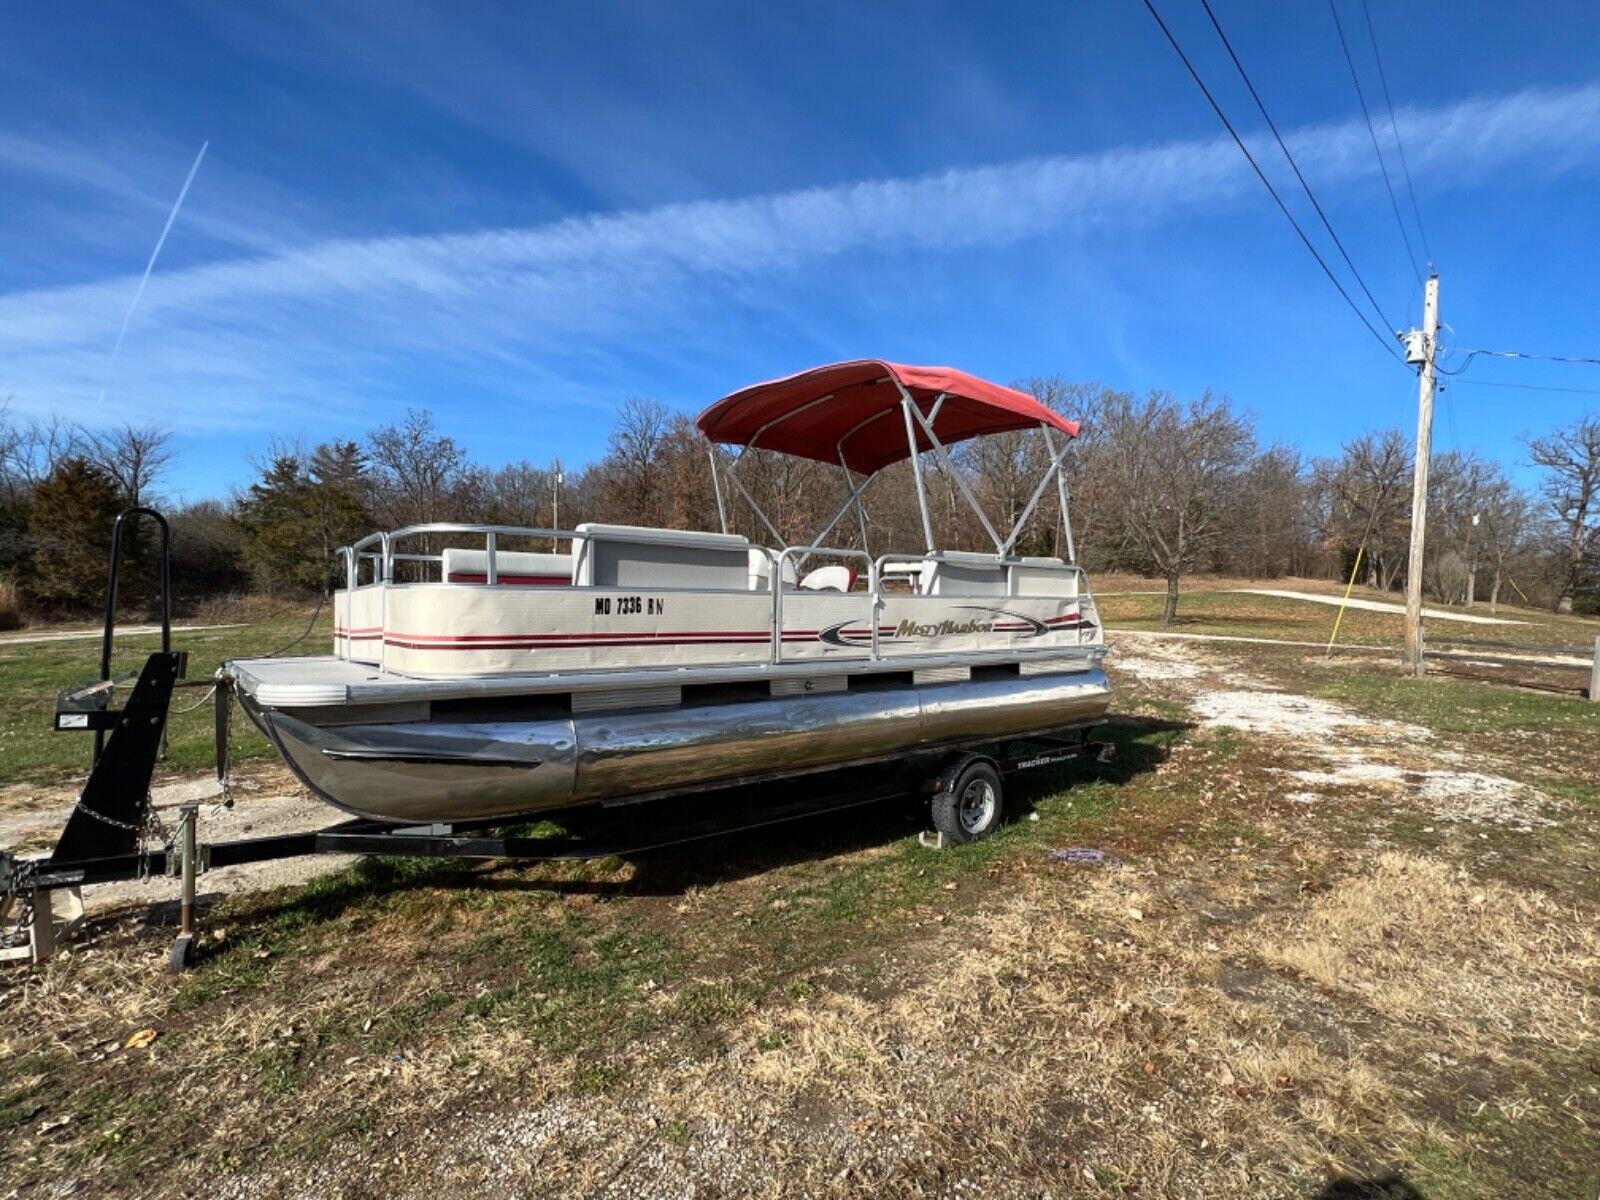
{"x":326,"y":680}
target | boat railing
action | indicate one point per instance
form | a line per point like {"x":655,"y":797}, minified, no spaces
{"x":389,"y":554}
{"x":966,"y":558}
{"x":801,"y":553}
{"x":353,"y":555}
{"x":381,"y":551}
{"x":491,"y":537}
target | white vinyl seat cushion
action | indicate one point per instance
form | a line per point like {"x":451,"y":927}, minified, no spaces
{"x":962,"y":573}
{"x":513,"y":567}
{"x":832,"y":578}
{"x":761,"y":571}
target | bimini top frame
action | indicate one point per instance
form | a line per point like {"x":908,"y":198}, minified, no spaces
{"x":846,"y":412}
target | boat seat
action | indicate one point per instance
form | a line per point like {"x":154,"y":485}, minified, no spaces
{"x":761,"y":572}
{"x":831,"y":578}
{"x":637,"y":556}
{"x":960,"y":573}
{"x":1042,"y":577}
{"x":512,"y":567}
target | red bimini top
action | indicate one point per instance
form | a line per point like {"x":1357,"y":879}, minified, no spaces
{"x":853,"y":409}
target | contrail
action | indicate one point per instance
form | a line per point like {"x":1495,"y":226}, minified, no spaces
{"x":160,"y":242}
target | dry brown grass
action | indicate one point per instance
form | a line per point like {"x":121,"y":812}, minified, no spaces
{"x":1031,"y":1048}
{"x":1420,"y":941}
{"x":1259,"y":1000}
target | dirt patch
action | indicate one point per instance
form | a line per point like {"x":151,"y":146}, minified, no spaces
{"x":1290,"y":716}
{"x":1451,"y":795}
{"x":266,"y":800}
{"x":1360,"y":753}
{"x":1144,"y":667}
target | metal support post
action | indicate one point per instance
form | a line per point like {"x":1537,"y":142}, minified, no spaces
{"x":916,"y":468}
{"x":1061,"y":491}
{"x":716,"y":486}
{"x":182,"y":953}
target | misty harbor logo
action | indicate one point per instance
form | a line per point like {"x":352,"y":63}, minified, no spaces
{"x":912,"y":629}
{"x":993,"y":620}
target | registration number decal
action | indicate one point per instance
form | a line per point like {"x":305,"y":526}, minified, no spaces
{"x":629,"y":606}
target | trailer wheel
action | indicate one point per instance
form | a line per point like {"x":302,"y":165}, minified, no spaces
{"x":969,"y":802}
{"x":182,"y":954}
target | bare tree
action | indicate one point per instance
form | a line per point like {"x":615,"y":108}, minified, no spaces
{"x":1369,"y":492}
{"x":1457,"y":484}
{"x":30,"y":451}
{"x":1507,"y":518}
{"x":134,"y":456}
{"x":518,"y":493}
{"x":634,"y":458}
{"x":1171,"y":469}
{"x":415,"y":471}
{"x":1272,"y":520}
{"x":1571,"y":489}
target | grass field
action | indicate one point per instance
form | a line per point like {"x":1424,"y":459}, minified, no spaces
{"x":32,"y":673}
{"x":1353,"y":936}
{"x":1206,"y":608}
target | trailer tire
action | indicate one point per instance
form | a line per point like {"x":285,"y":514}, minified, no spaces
{"x":970,"y":802}
{"x":182,"y":954}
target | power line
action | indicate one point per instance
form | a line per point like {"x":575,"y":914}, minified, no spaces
{"x":1556,"y":358}
{"x":1383,"y":78}
{"x":1282,"y":207}
{"x":1560,"y":358}
{"x":1361,"y":96}
{"x":1450,"y":417}
{"x":1524,"y":387}
{"x":1272,"y":125}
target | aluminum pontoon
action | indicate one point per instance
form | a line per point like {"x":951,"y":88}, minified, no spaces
{"x":479,"y":681}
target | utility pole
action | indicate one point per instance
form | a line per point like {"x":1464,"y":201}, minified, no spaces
{"x":1419,"y":349}
{"x":555,"y":505}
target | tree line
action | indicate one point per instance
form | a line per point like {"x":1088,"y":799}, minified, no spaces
{"x":1160,"y":485}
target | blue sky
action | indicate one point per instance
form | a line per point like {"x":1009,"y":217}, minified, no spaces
{"x":517,"y":215}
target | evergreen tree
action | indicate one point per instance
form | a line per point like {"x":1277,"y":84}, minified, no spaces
{"x":337,"y":493}
{"x":277,"y":518}
{"x":300,"y":511}
{"x":69,"y":520}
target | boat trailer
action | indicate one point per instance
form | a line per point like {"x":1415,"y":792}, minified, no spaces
{"x":113,"y":833}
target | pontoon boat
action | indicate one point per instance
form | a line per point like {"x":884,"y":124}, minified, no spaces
{"x":481,"y":681}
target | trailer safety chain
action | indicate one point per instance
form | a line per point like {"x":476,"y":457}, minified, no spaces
{"x":79,"y":806}
{"x":18,"y":933}
{"x":154,"y":829}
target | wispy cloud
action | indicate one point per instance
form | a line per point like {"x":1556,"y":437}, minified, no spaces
{"x":236,"y":342}
{"x":87,"y":169}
